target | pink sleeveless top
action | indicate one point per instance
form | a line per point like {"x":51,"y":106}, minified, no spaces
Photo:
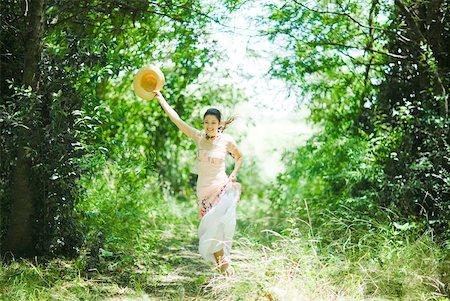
{"x":210,"y":162}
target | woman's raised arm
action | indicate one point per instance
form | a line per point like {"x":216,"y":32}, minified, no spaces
{"x":173,"y":115}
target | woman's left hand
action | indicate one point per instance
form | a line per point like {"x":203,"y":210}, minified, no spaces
{"x":233,"y":177}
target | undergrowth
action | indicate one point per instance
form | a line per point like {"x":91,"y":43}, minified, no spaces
{"x":141,"y":244}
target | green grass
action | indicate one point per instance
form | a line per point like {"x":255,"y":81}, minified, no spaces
{"x":287,"y":269}
{"x":151,"y":254}
{"x":382,"y":264}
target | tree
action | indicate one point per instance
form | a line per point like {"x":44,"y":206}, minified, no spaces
{"x":375,"y":75}
{"x":19,"y":238}
{"x":54,"y":83}
{"x":413,"y":104}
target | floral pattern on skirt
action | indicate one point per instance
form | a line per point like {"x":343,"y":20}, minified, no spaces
{"x":217,"y":226}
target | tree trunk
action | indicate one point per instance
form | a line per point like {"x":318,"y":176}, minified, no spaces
{"x":19,"y":240}
{"x":426,"y":48}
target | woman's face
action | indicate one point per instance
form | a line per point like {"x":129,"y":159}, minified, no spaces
{"x":211,"y":125}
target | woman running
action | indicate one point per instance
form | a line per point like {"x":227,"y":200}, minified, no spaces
{"x":217,"y":192}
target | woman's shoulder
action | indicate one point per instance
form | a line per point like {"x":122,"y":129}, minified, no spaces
{"x":227,"y":137}
{"x":199,"y":132}
{"x":198,"y":135}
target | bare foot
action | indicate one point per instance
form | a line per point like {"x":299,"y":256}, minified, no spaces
{"x":222,"y":261}
{"x":223,"y":266}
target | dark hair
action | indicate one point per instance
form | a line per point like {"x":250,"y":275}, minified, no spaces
{"x":213,"y":112}
{"x":218,"y":115}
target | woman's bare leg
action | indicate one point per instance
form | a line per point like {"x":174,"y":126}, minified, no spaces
{"x":223,"y":266}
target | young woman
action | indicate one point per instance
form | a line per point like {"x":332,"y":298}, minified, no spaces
{"x":217,"y":192}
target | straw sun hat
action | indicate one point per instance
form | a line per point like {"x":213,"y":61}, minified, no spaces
{"x":146,"y":80}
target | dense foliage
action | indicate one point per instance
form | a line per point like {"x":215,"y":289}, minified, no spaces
{"x":376,"y":76}
{"x":79,"y":104}
{"x":361,"y":211}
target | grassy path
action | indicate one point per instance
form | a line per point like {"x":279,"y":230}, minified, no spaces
{"x":177,"y":272}
{"x":282,"y":268}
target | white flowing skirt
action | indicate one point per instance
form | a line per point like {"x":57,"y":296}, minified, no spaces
{"x":217,"y":227}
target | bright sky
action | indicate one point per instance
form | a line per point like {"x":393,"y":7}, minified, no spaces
{"x":271,"y":120}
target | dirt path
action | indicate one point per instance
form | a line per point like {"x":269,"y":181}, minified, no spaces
{"x":183,"y":273}
{"x":179,"y":273}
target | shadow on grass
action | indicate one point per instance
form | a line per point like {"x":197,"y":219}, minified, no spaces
{"x":174,"y":271}
{"x":181,"y":273}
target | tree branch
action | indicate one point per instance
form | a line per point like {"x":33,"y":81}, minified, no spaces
{"x":393,"y":55}
{"x":411,"y":19}
{"x":340,"y":14}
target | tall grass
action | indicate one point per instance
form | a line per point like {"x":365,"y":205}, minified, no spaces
{"x":55,"y":280}
{"x":389,"y":262}
{"x":141,"y":244}
{"x":132,"y":225}
{"x":295,"y":268}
